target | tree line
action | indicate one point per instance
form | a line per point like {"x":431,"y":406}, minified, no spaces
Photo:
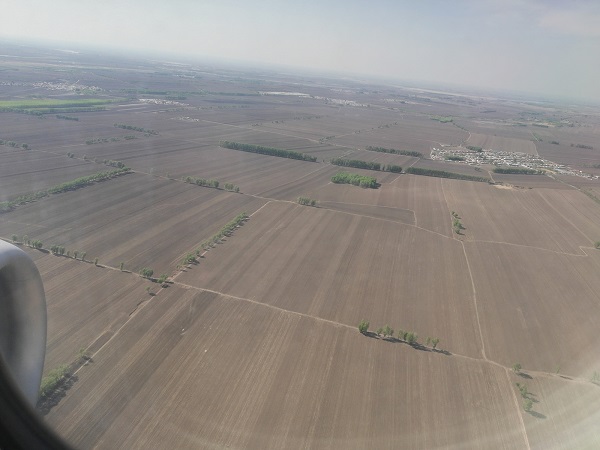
{"x":270,"y":151}
{"x":517,"y":170}
{"x":210,"y":183}
{"x":444,"y":174}
{"x":107,"y":140}
{"x":358,"y":164}
{"x":73,"y":185}
{"x":61,"y":116}
{"x":394,"y":151}
{"x":410,"y":337}
{"x":355,"y":179}
{"x":225,"y":230}
{"x":134,"y":128}
{"x":14,"y":144}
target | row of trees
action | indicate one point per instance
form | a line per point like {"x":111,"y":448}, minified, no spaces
{"x":444,"y":174}
{"x":201,"y":182}
{"x":57,"y":250}
{"x":14,"y":144}
{"x":517,"y":170}
{"x":107,"y":140}
{"x":210,"y":183}
{"x":60,"y":116}
{"x":134,"y":128}
{"x":78,"y":183}
{"x":409,"y":337}
{"x":270,"y":151}
{"x":355,"y":179}
{"x":358,"y":164}
{"x":307,"y":201}
{"x":395,"y":151}
{"x":146,"y":272}
{"x":225,"y":230}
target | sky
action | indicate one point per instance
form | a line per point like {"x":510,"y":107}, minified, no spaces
{"x":547,"y":47}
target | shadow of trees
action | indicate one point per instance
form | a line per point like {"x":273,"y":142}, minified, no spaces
{"x":46,"y":403}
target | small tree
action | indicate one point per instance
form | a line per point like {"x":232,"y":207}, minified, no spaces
{"x":387,"y":331}
{"x":379,"y":331}
{"x":14,"y":238}
{"x":121,"y":266}
{"x":83,"y":256}
{"x":162,"y":278}
{"x":95,"y":261}
{"x":146,"y":272}
{"x":435,"y":342}
{"x":83,"y":355}
{"x":522,"y":389}
{"x":363,"y":326}
{"x":75,"y":253}
{"x":517,"y":368}
{"x":597,"y":244}
{"x":412,"y":338}
{"x":527,"y":404}
{"x":595,"y":378}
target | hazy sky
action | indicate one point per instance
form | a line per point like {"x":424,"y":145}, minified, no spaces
{"x":550,"y":47}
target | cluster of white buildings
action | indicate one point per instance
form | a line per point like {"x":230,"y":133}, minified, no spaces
{"x":502,"y":158}
{"x":74,"y":87}
{"x":161,"y":101}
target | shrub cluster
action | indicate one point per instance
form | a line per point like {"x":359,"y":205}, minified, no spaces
{"x":270,"y":151}
{"x":307,"y":201}
{"x":355,"y":179}
{"x":51,"y":381}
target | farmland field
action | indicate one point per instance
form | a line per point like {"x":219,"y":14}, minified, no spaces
{"x":251,"y":338}
{"x":502,"y":144}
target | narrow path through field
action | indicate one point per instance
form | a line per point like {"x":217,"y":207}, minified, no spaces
{"x":475,"y":301}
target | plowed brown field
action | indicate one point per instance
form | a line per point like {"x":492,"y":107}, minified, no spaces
{"x":256,"y":345}
{"x":258,"y":377}
{"x":345,"y":267}
{"x":502,"y":144}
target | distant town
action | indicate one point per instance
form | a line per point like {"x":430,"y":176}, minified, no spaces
{"x":482,"y":156}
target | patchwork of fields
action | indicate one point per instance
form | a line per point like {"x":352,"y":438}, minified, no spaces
{"x":252,"y":340}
